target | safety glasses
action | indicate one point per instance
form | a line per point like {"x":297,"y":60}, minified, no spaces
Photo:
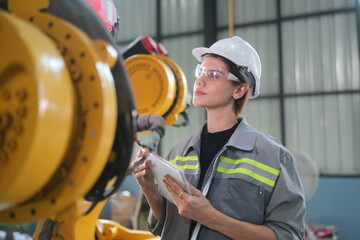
{"x":214,"y":73}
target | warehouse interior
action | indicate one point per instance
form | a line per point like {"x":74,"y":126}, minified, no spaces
{"x":309,"y":97}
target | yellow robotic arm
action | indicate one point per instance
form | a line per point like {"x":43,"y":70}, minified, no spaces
{"x":68,"y":116}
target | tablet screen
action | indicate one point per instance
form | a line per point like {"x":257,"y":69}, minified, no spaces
{"x":160,"y":168}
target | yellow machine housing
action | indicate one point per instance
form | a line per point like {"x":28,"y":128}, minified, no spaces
{"x":159,"y":86}
{"x":59,"y":119}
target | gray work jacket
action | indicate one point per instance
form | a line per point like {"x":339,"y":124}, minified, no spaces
{"x":252,"y":179}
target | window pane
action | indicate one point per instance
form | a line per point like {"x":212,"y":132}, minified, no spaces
{"x":264,"y":115}
{"x":180,"y":50}
{"x":181,"y":16}
{"x":264,"y":40}
{"x":137,"y":17}
{"x":295,"y":7}
{"x":246,"y":11}
{"x":321,"y":54}
{"x":327,"y":129}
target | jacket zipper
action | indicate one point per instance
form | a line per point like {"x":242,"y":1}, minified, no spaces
{"x":206,"y":189}
{"x":261,"y":190}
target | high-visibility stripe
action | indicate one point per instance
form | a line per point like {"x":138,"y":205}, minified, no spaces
{"x":188,"y":158}
{"x":252,"y":162}
{"x":188,"y":166}
{"x":247,"y":172}
{"x":185,"y":160}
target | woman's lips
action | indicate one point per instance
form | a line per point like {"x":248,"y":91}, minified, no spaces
{"x":199,"y":93}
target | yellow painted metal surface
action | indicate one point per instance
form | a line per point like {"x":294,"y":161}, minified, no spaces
{"x":58,"y":115}
{"x":230,"y":4}
{"x":93,"y":126}
{"x":110,"y":230}
{"x":178,"y":104}
{"x":153,"y":83}
{"x":106,"y":52}
{"x":71,"y":224}
{"x":36,"y":114}
{"x":27,"y":5}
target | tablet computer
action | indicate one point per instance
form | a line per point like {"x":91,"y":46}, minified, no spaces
{"x":162,"y":167}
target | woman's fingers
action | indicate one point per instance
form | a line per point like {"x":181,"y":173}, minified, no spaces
{"x":174,"y":188}
{"x":139,"y":153}
{"x":194,"y":191}
{"x":139,"y":174}
{"x":135,"y":166}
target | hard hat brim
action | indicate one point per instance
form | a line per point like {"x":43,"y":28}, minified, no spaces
{"x":199,"y":52}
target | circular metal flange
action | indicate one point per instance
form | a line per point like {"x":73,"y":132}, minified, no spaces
{"x":35,"y":114}
{"x":178,"y":104}
{"x":153,"y":84}
{"x":79,"y":13}
{"x":93,"y":126}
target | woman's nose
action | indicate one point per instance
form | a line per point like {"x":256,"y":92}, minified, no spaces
{"x":200,"y":80}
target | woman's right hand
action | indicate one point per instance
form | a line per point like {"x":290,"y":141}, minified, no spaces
{"x":143,"y":173}
{"x":145,"y":178}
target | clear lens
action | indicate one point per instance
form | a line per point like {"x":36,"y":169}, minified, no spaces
{"x":214,"y":73}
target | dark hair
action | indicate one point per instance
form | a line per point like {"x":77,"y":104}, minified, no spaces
{"x":234,"y":69}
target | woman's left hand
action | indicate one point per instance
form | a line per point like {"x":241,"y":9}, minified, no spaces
{"x":194,"y":206}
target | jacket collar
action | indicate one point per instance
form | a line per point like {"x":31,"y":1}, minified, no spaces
{"x":243,"y":138}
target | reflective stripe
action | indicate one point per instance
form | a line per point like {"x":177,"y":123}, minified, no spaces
{"x":252,"y":162}
{"x":270,"y":174}
{"x":188,"y":158}
{"x":189,"y":162}
{"x":249,"y":173}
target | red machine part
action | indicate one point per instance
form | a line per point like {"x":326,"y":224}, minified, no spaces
{"x":144,"y":45}
{"x":106,"y":10}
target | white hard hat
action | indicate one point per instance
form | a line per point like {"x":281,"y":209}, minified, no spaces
{"x":239,"y":52}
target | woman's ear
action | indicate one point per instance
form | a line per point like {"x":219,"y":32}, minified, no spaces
{"x":240,"y":91}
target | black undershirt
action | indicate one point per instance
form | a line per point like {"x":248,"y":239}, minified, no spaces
{"x":211,"y":144}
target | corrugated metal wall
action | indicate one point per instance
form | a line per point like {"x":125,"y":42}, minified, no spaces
{"x":137,"y":17}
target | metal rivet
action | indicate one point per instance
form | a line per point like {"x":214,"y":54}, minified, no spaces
{"x":33,"y":211}
{"x":21,"y":94}
{"x":21,"y":111}
{"x":82,"y":108}
{"x":6,"y":96}
{"x":70,"y":182}
{"x":78,"y":143}
{"x":61,"y":48}
{"x":75,"y":75}
{"x":62,"y":172}
{"x":18,"y":129}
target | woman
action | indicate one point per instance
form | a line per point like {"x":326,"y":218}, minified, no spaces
{"x":244,"y":183}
